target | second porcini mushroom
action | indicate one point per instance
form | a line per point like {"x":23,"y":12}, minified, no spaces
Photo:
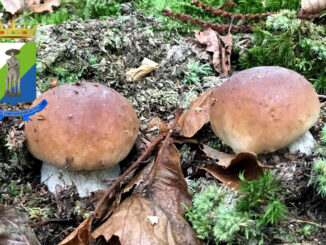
{"x":82,"y":135}
{"x":263,"y":109}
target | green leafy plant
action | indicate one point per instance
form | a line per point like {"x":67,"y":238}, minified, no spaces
{"x":70,"y":9}
{"x":98,"y":9}
{"x":194,"y":71}
{"x":323,"y":134}
{"x":318,"y":176}
{"x":221,"y":215}
{"x":290,"y":42}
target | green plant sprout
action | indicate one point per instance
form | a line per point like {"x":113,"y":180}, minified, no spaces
{"x":194,"y":71}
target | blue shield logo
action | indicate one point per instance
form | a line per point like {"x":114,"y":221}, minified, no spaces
{"x":18,"y":77}
{"x":17,"y":72}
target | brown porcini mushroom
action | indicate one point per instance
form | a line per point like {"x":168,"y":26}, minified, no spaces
{"x":81,"y":136}
{"x":263,"y":109}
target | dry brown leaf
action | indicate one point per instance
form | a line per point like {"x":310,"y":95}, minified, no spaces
{"x":146,"y":67}
{"x":81,"y":235}
{"x":157,"y":122}
{"x":226,"y":160}
{"x":13,"y":229}
{"x":13,"y":6}
{"x":229,"y":166}
{"x":131,"y":224}
{"x":199,"y":114}
{"x":225,"y":53}
{"x":53,"y":82}
{"x":47,"y":6}
{"x":220,"y":46}
{"x":166,"y":193}
{"x":209,"y":38}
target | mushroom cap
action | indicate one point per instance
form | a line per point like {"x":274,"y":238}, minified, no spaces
{"x":263,"y":109}
{"x":85,"y":126}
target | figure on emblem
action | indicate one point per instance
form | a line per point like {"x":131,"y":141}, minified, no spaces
{"x":13,"y":74}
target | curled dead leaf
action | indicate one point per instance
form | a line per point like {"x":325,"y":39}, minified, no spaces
{"x":146,"y":67}
{"x":166,"y":193}
{"x":220,"y":46}
{"x":13,"y":229}
{"x":158,"y":123}
{"x":81,"y":235}
{"x":199,"y":114}
{"x":227,"y":167}
{"x":46,"y":6}
{"x":209,"y":38}
{"x":13,"y":6}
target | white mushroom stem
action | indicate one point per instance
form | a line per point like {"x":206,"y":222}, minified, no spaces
{"x":85,"y":181}
{"x":303,"y":144}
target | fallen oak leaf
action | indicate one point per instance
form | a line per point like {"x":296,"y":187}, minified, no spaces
{"x":131,"y":225}
{"x":146,"y":67}
{"x":227,"y":167}
{"x":220,"y":46}
{"x":157,"y":122}
{"x":225,"y":54}
{"x":47,"y":6}
{"x":13,"y":6}
{"x":81,"y":235}
{"x":166,"y":192}
{"x":209,"y":38}
{"x":226,"y":160}
{"x":13,"y":229}
{"x":194,"y":119}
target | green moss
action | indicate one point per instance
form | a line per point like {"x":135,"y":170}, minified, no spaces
{"x":292,"y":43}
{"x":318,"y":176}
{"x":84,"y":9}
{"x":323,"y":134}
{"x":223,"y":216}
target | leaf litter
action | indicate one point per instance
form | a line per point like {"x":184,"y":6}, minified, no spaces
{"x":18,"y":6}
{"x":160,"y":191}
{"x":83,"y":233}
{"x":13,"y":229}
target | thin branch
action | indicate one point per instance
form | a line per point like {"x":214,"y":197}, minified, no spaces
{"x":44,"y":222}
{"x":164,"y":147}
{"x":309,"y":222}
{"x":119,"y":180}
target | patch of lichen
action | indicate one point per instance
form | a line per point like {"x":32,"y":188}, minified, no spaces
{"x":102,"y":51}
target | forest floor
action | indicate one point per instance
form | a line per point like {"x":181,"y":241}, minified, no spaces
{"x":119,"y":44}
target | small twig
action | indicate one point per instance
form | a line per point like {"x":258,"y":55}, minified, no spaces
{"x":44,"y":222}
{"x":164,"y":146}
{"x":231,"y":23}
{"x":132,"y":167}
{"x":4,"y":192}
{"x":309,"y":222}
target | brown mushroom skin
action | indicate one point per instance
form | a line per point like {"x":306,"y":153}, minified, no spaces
{"x":85,"y":126}
{"x":263,"y":109}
